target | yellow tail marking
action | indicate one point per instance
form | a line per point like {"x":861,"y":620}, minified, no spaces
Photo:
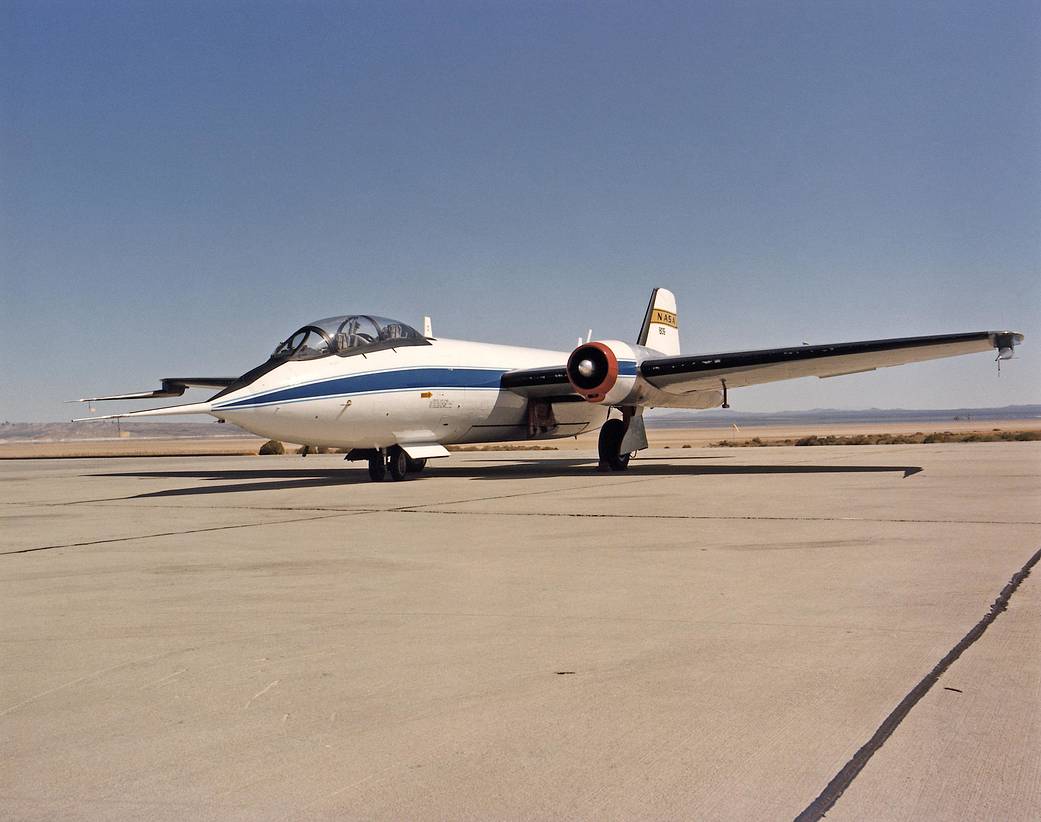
{"x":663,"y":318}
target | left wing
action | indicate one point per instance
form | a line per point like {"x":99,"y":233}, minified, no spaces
{"x":169,"y":387}
{"x":166,"y":411}
{"x":544,"y":383}
{"x":701,"y":372}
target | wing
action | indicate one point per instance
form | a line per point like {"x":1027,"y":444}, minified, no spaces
{"x":170,"y":387}
{"x":699,"y":372}
{"x":544,"y":383}
{"x":166,"y":411}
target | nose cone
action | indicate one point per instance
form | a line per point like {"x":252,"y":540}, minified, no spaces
{"x":586,"y":368}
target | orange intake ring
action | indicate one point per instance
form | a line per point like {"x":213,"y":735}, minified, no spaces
{"x":592,"y":370}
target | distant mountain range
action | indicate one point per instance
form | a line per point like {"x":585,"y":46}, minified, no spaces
{"x":109,"y":429}
{"x":722,"y":419}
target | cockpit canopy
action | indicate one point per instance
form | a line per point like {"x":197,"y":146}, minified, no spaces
{"x":347,"y":335}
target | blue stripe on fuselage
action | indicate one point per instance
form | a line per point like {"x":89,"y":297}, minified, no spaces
{"x":627,"y":368}
{"x":397,"y":380}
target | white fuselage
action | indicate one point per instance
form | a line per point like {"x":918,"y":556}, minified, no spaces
{"x":446,"y":392}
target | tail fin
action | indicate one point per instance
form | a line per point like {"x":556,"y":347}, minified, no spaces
{"x":660,"y":329}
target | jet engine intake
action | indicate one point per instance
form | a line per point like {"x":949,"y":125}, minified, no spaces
{"x":603,"y":372}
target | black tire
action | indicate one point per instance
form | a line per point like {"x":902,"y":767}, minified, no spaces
{"x":377,"y":468}
{"x":610,"y":443}
{"x":415,"y":466}
{"x":398,"y":464}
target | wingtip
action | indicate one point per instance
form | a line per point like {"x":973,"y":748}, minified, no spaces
{"x":1006,"y":339}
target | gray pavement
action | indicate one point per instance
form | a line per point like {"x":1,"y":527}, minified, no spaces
{"x":711,"y":635}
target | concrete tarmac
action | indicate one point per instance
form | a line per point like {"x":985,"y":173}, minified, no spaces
{"x":713,"y":634}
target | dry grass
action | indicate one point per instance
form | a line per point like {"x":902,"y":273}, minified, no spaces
{"x":918,"y":438}
{"x":503,"y":447}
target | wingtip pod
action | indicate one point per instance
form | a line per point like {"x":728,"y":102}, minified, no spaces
{"x":1005,"y":342}
{"x":168,"y":411}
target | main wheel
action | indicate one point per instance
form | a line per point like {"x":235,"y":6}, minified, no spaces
{"x":415,"y":466}
{"x":377,"y":467}
{"x":610,"y":444}
{"x":398,"y":464}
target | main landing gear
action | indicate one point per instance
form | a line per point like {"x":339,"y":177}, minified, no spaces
{"x":610,"y":445}
{"x":395,"y":461}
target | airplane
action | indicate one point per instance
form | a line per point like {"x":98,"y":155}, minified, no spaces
{"x":395,"y":397}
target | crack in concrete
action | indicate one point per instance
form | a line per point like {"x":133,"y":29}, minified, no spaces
{"x":415,"y":509}
{"x":827,"y":798}
{"x":340,"y":513}
{"x":177,"y":533}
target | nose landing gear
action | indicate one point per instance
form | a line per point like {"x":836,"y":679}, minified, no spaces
{"x":377,"y":467}
{"x":397,"y":462}
{"x":392,"y":460}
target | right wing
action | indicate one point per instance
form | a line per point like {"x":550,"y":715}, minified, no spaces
{"x":170,"y":387}
{"x":701,"y":372}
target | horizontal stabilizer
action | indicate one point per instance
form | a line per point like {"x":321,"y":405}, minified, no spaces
{"x":168,"y":411}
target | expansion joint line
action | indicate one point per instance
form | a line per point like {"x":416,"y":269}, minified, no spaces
{"x":135,"y":537}
{"x":844,"y":778}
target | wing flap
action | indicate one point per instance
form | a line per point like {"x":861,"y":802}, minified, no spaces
{"x":685,"y":374}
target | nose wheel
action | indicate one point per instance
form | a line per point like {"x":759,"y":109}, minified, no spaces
{"x":393,"y":461}
{"x":397,"y":463}
{"x":377,"y":467}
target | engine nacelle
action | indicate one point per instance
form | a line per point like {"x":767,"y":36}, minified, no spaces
{"x":604,"y":372}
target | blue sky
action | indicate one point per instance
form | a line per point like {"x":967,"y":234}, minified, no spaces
{"x":182,"y":184}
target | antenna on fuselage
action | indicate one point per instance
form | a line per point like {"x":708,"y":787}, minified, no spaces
{"x":428,"y":328}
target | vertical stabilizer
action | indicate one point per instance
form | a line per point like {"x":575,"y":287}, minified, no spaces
{"x":660,"y":329}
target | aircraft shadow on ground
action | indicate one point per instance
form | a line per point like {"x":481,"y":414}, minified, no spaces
{"x":234,"y":481}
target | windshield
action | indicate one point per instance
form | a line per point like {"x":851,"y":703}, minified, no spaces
{"x":346,"y":335}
